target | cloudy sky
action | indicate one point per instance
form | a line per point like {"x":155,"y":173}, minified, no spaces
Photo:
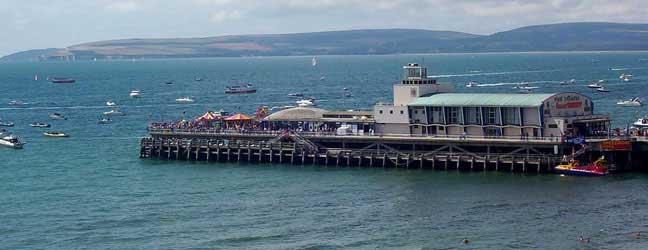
{"x":27,"y":24}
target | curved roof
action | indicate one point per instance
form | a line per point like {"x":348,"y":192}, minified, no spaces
{"x":482,"y":100}
{"x":297,"y":114}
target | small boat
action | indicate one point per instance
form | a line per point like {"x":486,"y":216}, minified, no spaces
{"x":472,"y":84}
{"x":198,"y":79}
{"x":104,"y":121}
{"x":595,"y":86}
{"x":114,"y":113}
{"x":55,"y":134}
{"x":602,"y":89}
{"x":634,"y":102}
{"x":111,"y":104}
{"x":306,"y":102}
{"x":168,"y":82}
{"x":40,"y":125}
{"x":641,"y":123}
{"x":240,"y":89}
{"x":6,"y":124}
{"x":296,"y":95}
{"x":184,"y":100}
{"x":314,"y":61}
{"x":10,"y":141}
{"x":15,"y":102}
{"x":62,"y":80}
{"x":57,"y":116}
{"x":323,"y":78}
{"x":347,"y":94}
{"x":574,"y":168}
{"x":627,"y":79}
{"x":601,"y":81}
{"x":135,"y":93}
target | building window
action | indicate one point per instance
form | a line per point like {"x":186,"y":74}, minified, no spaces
{"x":453,"y":115}
{"x":510,"y":116}
{"x":491,"y":115}
{"x":391,"y":112}
{"x":472,"y":115}
{"x":413,"y":92}
{"x":415,"y":111}
{"x":401,"y":112}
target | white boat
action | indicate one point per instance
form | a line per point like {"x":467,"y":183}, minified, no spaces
{"x":314,"y":61}
{"x":56,"y":134}
{"x":296,"y":95}
{"x":634,"y":102}
{"x":627,"y":79}
{"x":16,"y":102}
{"x":57,"y":116}
{"x":114,"y":113}
{"x":111,"y":104}
{"x":472,"y":84}
{"x":602,"y":81}
{"x":184,"y":100}
{"x":595,"y":86}
{"x":602,"y":89}
{"x":6,"y":124}
{"x":135,"y":93}
{"x":306,"y":103}
{"x":641,"y":123}
{"x":40,"y":125}
{"x":104,"y":121}
{"x":10,"y":141}
{"x":622,"y":76}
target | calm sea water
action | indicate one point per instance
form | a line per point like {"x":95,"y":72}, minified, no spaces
{"x":92,"y":191}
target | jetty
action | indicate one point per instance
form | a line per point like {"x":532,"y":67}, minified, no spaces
{"x":427,"y":127}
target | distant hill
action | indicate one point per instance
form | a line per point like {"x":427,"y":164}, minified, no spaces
{"x":553,"y":37}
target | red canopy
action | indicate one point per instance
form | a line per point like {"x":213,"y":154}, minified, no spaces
{"x":238,"y":118}
{"x":209,"y":116}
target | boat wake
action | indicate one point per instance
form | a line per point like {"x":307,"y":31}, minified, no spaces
{"x":492,"y":73}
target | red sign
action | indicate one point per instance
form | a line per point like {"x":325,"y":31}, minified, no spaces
{"x":569,"y":105}
{"x":616,"y":145}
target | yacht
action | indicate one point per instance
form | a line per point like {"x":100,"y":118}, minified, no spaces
{"x":57,"y":116}
{"x":114,"y":113}
{"x":472,"y":84}
{"x":62,"y":80}
{"x":135,"y":93}
{"x":10,"y":141}
{"x":184,"y":100}
{"x":595,"y":85}
{"x":6,"y":124}
{"x":55,"y":134}
{"x":306,"y":102}
{"x":111,"y":104}
{"x":634,"y":102}
{"x":240,"y":89}
{"x":296,"y":95}
{"x":40,"y":125}
{"x":104,"y":121}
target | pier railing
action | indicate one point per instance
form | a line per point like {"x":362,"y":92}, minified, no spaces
{"x":307,"y":134}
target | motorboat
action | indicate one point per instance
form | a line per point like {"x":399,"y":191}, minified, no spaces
{"x":57,"y":116}
{"x":184,"y":100}
{"x":62,"y":80}
{"x":16,"y":102}
{"x":10,"y":141}
{"x":6,"y":124}
{"x":641,"y":123}
{"x":595,"y":85}
{"x":135,"y":93}
{"x":306,"y":102}
{"x":472,"y":84}
{"x":55,"y":134}
{"x":602,"y":89}
{"x":634,"y":102}
{"x":114,"y":112}
{"x":627,"y":79}
{"x":574,"y":168}
{"x":601,"y":81}
{"x":111,"y":104}
{"x":199,"y":79}
{"x":296,"y":95}
{"x":104,"y":121}
{"x":168,"y":82}
{"x":40,"y":125}
{"x":240,"y":89}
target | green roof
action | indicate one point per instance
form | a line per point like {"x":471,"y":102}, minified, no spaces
{"x":482,"y":100}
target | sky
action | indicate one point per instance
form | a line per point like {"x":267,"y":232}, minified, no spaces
{"x":32,"y":24}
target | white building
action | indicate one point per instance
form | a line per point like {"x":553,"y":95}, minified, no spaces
{"x":424,"y":108}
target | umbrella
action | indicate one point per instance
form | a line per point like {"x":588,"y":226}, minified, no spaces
{"x":238,"y":118}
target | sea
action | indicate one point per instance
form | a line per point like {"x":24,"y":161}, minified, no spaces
{"x":91,"y":191}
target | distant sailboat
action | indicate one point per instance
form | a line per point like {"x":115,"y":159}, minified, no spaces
{"x":314,"y":61}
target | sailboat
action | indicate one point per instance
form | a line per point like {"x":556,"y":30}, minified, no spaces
{"x":314,"y":61}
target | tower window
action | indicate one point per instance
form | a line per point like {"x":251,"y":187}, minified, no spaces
{"x":413,"y":92}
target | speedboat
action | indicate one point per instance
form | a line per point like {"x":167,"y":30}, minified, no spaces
{"x":627,"y":79}
{"x":595,"y":85}
{"x":184,"y":100}
{"x":634,"y":102}
{"x":10,"y":141}
{"x":574,"y":168}
{"x":40,"y":125}
{"x":601,"y":81}
{"x":104,"y":121}
{"x":111,"y":104}
{"x":55,"y":134}
{"x":134,"y":93}
{"x":240,"y":89}
{"x":198,"y":79}
{"x":57,"y":116}
{"x":114,"y":113}
{"x":472,"y":84}
{"x":306,"y":102}
{"x":602,"y":89}
{"x":296,"y":95}
{"x":6,"y":124}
